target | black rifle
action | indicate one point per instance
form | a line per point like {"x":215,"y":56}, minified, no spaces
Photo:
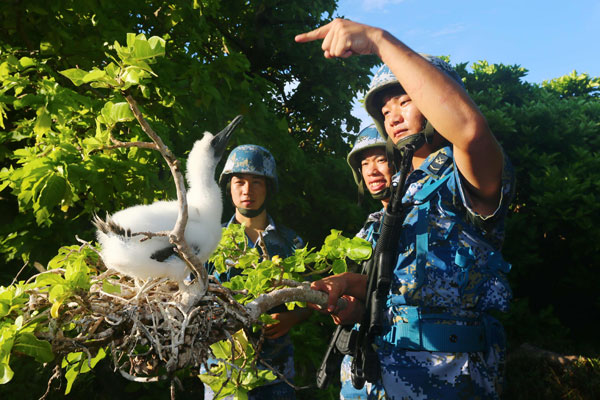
{"x":333,"y":357}
{"x":379,"y":269}
{"x":365,"y":365}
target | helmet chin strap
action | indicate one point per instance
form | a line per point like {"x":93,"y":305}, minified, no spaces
{"x":250,"y":213}
{"x":382,"y":194}
{"x":395,"y":151}
{"x":417,"y":139}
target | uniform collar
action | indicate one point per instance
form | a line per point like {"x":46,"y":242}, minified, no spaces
{"x":270,"y":223}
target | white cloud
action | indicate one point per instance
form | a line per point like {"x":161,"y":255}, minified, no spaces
{"x":370,"y":5}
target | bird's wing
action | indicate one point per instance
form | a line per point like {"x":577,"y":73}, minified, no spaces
{"x":155,"y":217}
{"x":164,"y":253}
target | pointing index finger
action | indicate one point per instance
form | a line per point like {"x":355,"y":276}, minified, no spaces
{"x":316,"y":34}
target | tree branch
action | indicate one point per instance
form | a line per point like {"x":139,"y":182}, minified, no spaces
{"x":560,"y":360}
{"x":177,"y":234}
{"x":125,"y":145}
{"x":266,"y":301}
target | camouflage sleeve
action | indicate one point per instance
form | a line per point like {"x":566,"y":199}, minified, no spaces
{"x":507,"y":191}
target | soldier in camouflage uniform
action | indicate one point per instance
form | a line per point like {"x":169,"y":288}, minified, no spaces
{"x":250,"y":178}
{"x":439,"y":340}
{"x":369,"y":164}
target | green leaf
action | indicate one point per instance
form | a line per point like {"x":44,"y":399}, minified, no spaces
{"x":6,"y":374}
{"x":76,"y":75}
{"x":132,"y":75}
{"x":43,"y":121}
{"x":42,"y":216}
{"x":360,"y":249}
{"x":101,"y":354}
{"x":339,"y":266}
{"x":26,"y":62}
{"x":27,"y":343}
{"x":7,"y":337}
{"x":49,"y":278}
{"x":72,"y":363}
{"x":58,"y":292}
{"x":110,"y":288}
{"x":144,"y":49}
{"x":94,"y":75}
{"x":53,"y":192}
{"x":221,"y":349}
{"x":117,"y":112}
{"x":77,"y":275}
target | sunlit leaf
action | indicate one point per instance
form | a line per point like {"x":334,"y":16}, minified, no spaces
{"x":117,"y":112}
{"x":43,"y":122}
{"x":110,"y":288}
{"x":76,"y":75}
{"x":55,"y":309}
{"x":6,"y":373}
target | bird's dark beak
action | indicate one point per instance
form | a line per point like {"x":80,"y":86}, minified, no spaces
{"x":219,"y":142}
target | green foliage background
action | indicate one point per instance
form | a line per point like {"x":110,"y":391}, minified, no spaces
{"x":239,"y":57}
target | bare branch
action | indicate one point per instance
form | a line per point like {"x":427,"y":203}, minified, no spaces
{"x":269,"y":300}
{"x":125,"y":145}
{"x":177,"y":234}
{"x":559,"y":360}
{"x":139,"y":379}
{"x":55,"y":376}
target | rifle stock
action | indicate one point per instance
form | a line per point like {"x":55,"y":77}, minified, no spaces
{"x":331,"y":358}
{"x":340,"y":344}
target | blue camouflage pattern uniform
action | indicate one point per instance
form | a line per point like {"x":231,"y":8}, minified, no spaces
{"x":371,"y":391}
{"x":458,"y":279}
{"x":278,"y":353}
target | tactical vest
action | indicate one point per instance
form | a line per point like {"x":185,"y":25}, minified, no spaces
{"x":414,"y":328}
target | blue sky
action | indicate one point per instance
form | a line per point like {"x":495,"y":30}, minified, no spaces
{"x":548,"y":38}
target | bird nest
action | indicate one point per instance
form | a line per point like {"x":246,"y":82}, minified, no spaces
{"x":149,"y":329}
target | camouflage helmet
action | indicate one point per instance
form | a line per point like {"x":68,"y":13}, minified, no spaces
{"x":367,"y":138}
{"x":384,"y":78}
{"x":250,"y":159}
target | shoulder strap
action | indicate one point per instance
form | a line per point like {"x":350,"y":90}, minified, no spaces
{"x":439,"y":169}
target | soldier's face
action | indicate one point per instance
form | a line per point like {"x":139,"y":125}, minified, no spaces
{"x":248,"y":191}
{"x":375,"y":169}
{"x":401,"y":116}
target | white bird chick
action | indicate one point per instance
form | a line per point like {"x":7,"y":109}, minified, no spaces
{"x":156,"y":257}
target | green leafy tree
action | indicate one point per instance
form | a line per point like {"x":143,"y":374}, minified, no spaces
{"x":111,"y":110}
{"x":224,"y":59}
{"x":550,"y":132}
{"x":62,"y":155}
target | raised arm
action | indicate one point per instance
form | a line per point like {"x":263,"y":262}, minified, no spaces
{"x":440,"y":99}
